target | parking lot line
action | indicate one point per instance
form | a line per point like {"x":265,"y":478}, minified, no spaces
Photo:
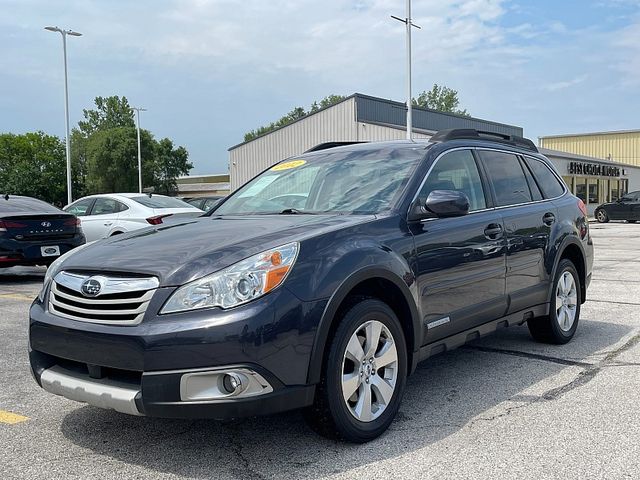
{"x":11,"y":418}
{"x":16,"y":296}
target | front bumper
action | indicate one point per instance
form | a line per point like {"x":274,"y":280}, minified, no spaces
{"x":142,"y":365}
{"x":155,"y":395}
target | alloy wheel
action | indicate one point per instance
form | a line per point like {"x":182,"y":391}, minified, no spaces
{"x":566,"y":301}
{"x":602,"y":216}
{"x":369,"y":371}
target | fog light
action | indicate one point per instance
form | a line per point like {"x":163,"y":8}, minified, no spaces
{"x":232,"y":382}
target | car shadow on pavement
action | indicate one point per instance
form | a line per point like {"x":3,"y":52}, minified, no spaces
{"x":21,"y":275}
{"x":482,"y":382}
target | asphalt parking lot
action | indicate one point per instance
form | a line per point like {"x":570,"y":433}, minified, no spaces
{"x":504,"y":407}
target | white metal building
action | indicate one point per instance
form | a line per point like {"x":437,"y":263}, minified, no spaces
{"x":357,"y":118}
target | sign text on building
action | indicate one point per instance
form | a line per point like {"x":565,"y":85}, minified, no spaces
{"x":583,"y":168}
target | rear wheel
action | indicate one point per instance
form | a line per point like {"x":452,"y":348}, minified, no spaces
{"x":564,"y":309}
{"x":631,"y":221}
{"x":602,"y":216}
{"x":364,"y":375}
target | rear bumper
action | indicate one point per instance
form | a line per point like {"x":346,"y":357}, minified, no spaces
{"x":19,"y":252}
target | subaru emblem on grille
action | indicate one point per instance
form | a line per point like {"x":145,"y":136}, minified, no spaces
{"x":91,"y":287}
{"x":46,"y":224}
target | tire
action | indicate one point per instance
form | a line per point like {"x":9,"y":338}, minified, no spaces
{"x":602,"y":216}
{"x":631,"y":221}
{"x":332,"y":415}
{"x":561,"y":323}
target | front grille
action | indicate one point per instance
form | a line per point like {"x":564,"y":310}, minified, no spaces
{"x":120,"y":301}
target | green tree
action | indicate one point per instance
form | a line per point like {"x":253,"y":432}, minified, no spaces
{"x":33,"y":164}
{"x":110,"y":112}
{"x":441,"y":98}
{"x":105,"y":152}
{"x":293,"y":115}
{"x":170,"y":163}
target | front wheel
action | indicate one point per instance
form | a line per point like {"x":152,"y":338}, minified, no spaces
{"x":364,"y":374}
{"x":564,"y":309}
{"x":602,"y":216}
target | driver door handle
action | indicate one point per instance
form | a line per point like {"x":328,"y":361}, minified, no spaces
{"x":493,"y":231}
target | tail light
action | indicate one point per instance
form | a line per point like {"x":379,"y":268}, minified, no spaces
{"x":73,"y":222}
{"x":4,"y":224}
{"x":582,"y":207}
{"x":157,"y":220}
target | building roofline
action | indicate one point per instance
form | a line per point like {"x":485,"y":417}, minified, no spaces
{"x":378,"y":99}
{"x":448,"y":114}
{"x":587,"y":134}
{"x":295,"y":121}
{"x":574,"y":156}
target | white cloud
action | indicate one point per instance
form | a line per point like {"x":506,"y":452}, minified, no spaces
{"x":562,"y":85}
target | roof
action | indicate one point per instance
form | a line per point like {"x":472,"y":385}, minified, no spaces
{"x":588,"y":134}
{"x":391,"y":113}
{"x":581,"y":158}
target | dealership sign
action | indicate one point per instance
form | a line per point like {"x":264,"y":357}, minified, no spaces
{"x":584,"y":168}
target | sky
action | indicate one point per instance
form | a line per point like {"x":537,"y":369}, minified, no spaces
{"x":210,"y":70}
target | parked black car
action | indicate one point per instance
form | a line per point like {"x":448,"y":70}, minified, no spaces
{"x":403,"y":250}
{"x":626,"y":208}
{"x":205,"y":203}
{"x":33,"y":232}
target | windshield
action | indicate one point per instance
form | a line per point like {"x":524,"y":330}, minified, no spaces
{"x":158,"y":201}
{"x":351,"y":182}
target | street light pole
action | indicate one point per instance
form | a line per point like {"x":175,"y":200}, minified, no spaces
{"x":138,"y":110}
{"x":407,"y":22}
{"x":64,"y":34}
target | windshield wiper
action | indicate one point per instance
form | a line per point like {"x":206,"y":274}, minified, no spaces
{"x":295,"y":211}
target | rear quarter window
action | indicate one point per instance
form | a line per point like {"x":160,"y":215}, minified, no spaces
{"x":548,"y":182}
{"x":156,"y":201}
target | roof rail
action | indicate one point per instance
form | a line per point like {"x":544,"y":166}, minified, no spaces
{"x":472,"y":134}
{"x":326,"y":145}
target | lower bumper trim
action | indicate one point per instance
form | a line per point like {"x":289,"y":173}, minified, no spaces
{"x":104,"y":393}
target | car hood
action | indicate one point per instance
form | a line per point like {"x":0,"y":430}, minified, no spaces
{"x":190,"y":249}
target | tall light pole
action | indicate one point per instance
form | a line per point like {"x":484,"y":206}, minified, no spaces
{"x":407,"y":22}
{"x":64,"y":34}
{"x":138,"y":110}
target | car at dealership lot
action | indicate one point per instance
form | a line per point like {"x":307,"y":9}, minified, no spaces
{"x":626,"y":208}
{"x":205,"y":203}
{"x":111,"y":214}
{"x":401,"y":250}
{"x":33,"y":232}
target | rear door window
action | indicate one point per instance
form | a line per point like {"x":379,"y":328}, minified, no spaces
{"x":507,"y":177}
{"x":105,"y":206}
{"x":549,"y":183}
{"x":536,"y":193}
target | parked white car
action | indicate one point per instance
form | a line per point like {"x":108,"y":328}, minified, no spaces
{"x":114,"y":213}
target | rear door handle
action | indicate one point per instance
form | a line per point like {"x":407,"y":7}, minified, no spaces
{"x":107,"y":224}
{"x":493,"y":231}
{"x":548,"y":218}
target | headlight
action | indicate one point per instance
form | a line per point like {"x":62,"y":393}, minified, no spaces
{"x":54,"y":268}
{"x":240,"y":283}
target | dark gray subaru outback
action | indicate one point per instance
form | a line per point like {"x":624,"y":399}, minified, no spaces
{"x":320,"y":284}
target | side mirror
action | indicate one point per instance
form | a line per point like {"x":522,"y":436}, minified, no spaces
{"x":440,"y":203}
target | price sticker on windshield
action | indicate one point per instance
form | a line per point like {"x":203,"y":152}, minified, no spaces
{"x":288,"y":165}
